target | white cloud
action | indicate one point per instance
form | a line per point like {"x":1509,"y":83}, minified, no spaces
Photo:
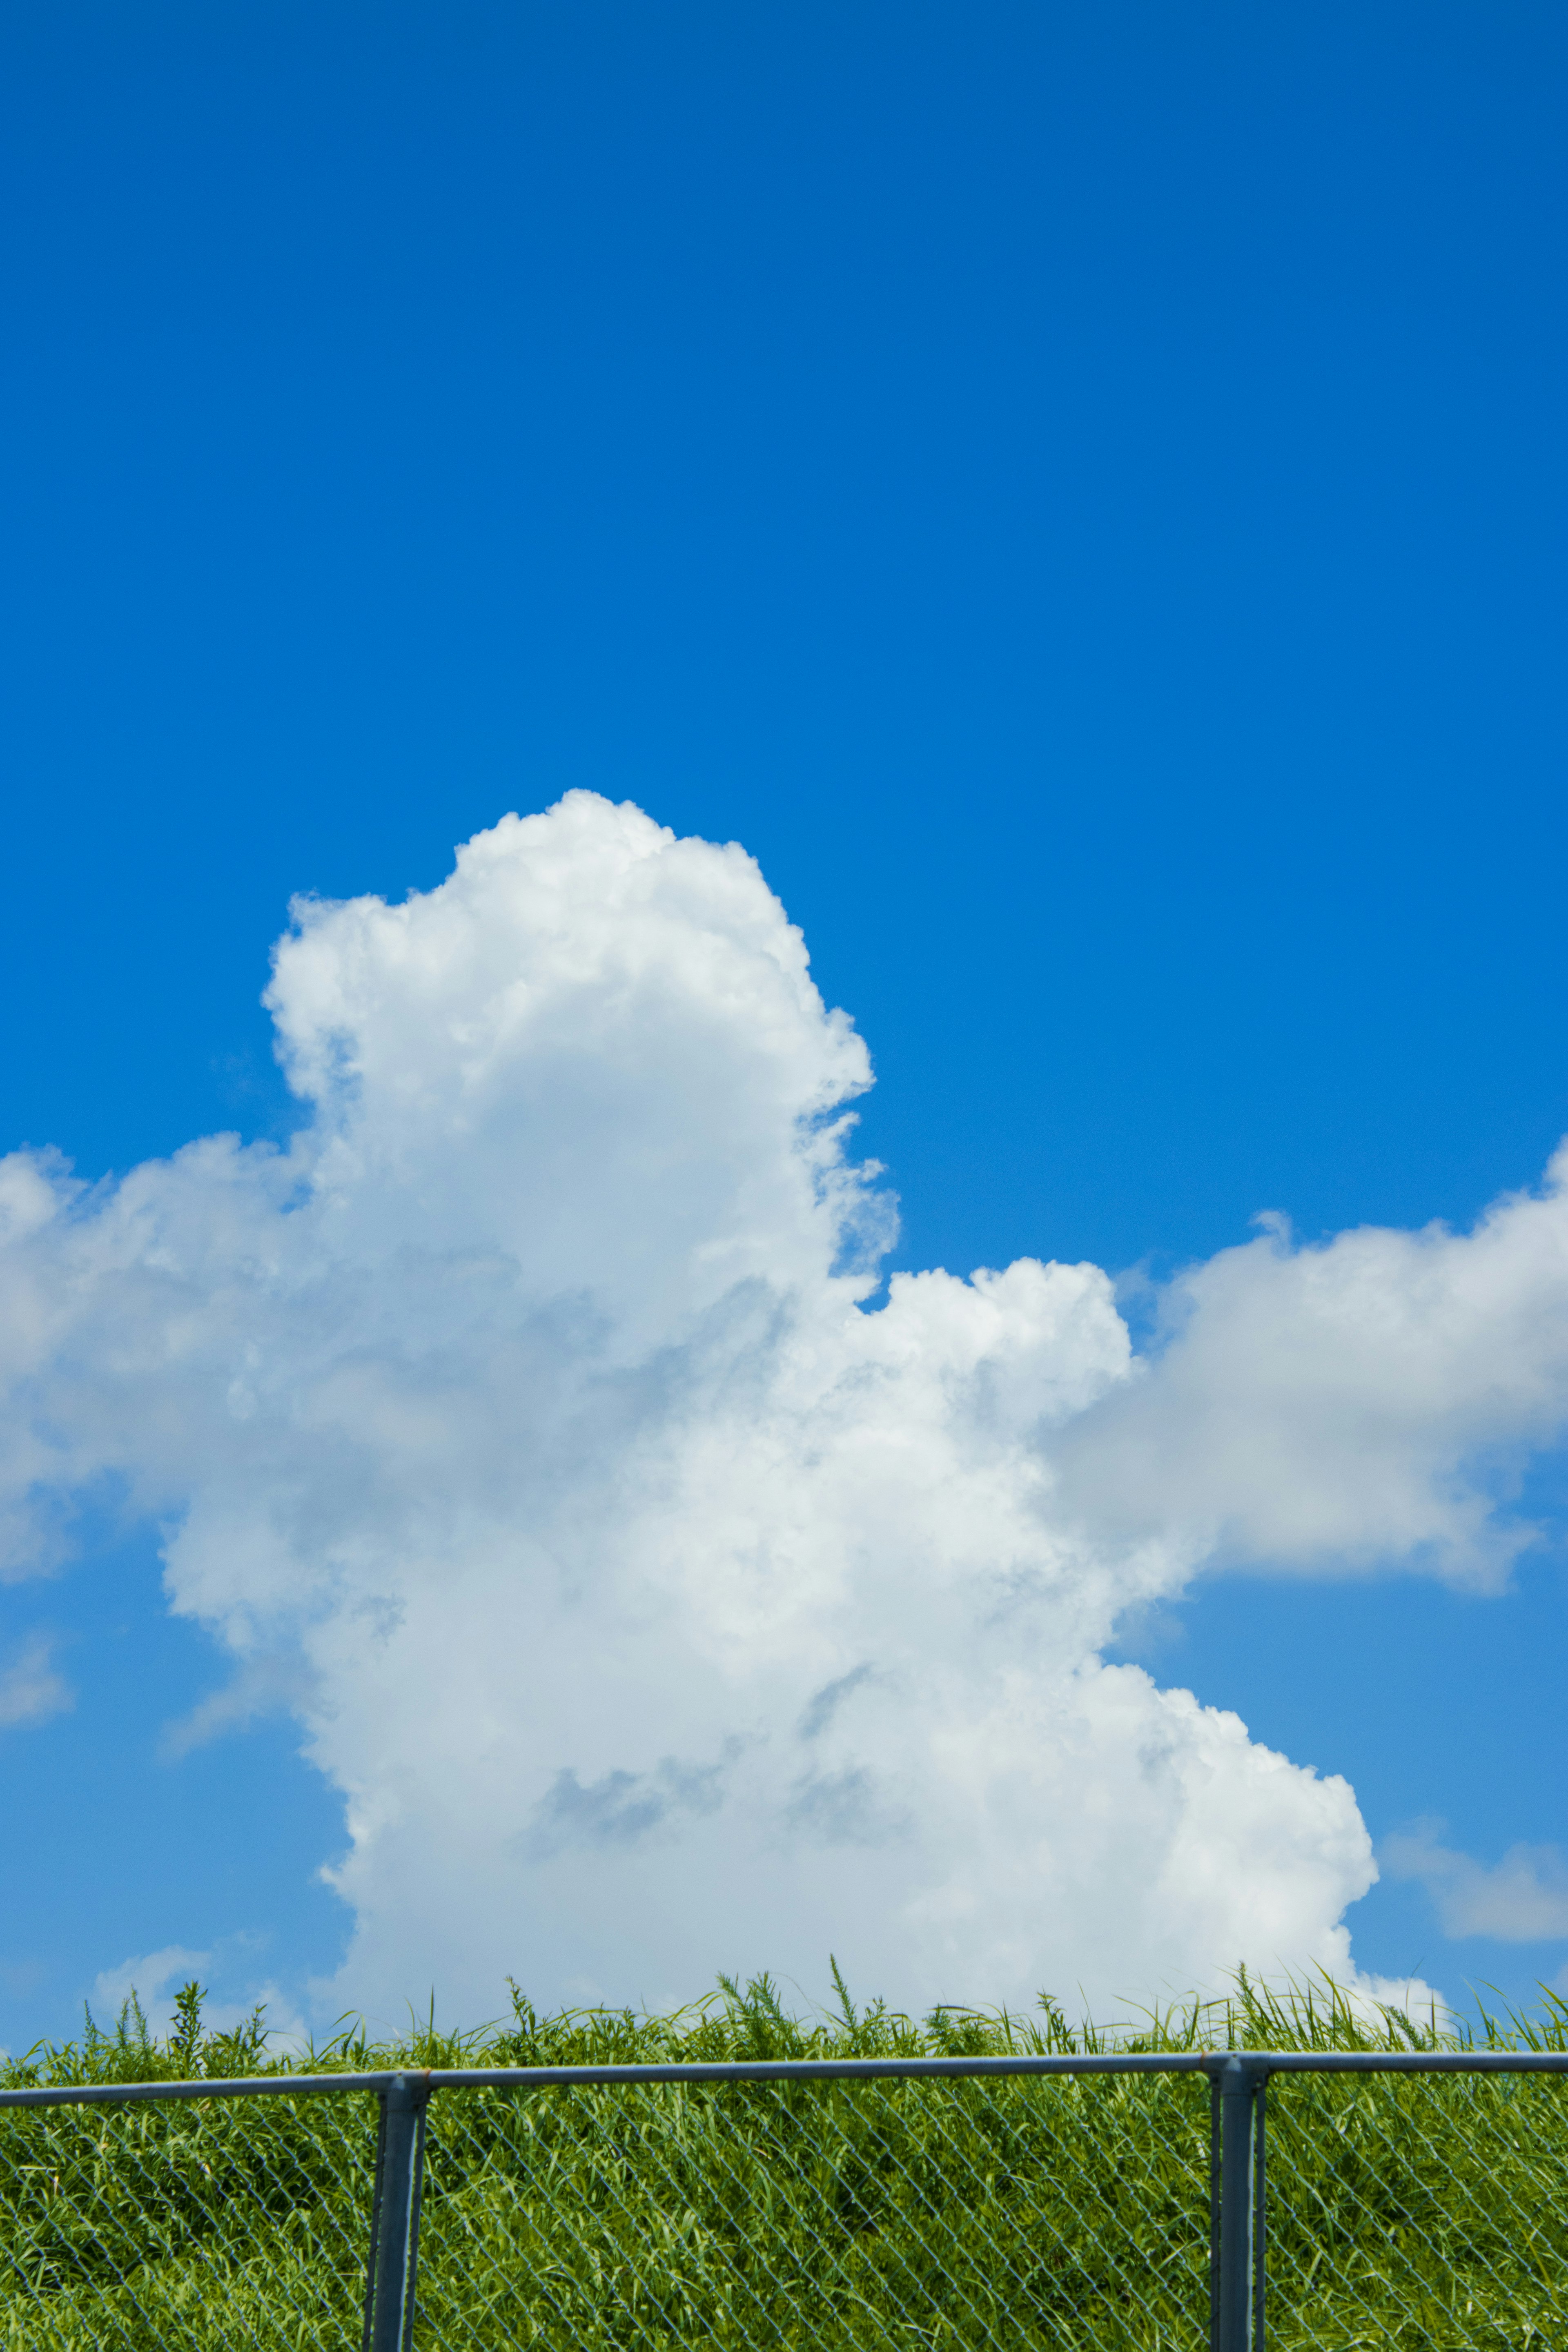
{"x":1363,"y":1401}
{"x":262,"y":1684}
{"x":30,"y":1690}
{"x":657,"y":1608}
{"x":1523,"y":1899}
{"x":150,"y":1978}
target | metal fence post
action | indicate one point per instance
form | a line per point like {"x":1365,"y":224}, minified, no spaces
{"x":395,"y":2227}
{"x":1237,"y":2299}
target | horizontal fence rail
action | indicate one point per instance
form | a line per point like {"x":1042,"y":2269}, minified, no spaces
{"x":1148,"y":2200}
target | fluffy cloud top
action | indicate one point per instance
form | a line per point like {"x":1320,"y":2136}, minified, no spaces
{"x":655,"y":1605}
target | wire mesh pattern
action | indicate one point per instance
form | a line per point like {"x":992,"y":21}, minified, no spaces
{"x":1408,"y":2210}
{"x":129,"y":2228}
{"x":835,"y":2214}
{"x":822,"y":2208}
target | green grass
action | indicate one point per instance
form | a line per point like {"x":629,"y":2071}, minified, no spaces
{"x":1067,"y":2213}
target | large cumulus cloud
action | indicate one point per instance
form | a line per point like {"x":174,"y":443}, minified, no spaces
{"x":656,"y":1606}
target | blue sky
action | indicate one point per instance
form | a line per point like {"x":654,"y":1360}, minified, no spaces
{"x":1079,"y":495}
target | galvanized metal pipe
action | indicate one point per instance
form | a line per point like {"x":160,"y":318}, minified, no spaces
{"x":394,"y":2257}
{"x":803,"y":2070}
{"x":1240,"y":2080}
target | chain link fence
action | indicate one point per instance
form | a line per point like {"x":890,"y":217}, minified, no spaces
{"x":839,"y":2214}
{"x":1114,"y":2200}
{"x":1416,"y":2209}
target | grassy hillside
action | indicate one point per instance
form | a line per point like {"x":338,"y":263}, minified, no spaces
{"x":1070,"y":2213}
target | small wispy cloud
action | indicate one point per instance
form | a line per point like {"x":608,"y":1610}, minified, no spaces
{"x":1520,"y":1899}
{"x":150,"y":1978}
{"x":264,"y":1685}
{"x":30,"y":1690}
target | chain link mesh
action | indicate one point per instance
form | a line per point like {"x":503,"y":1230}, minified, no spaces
{"x":1059,"y":2212}
{"x":136,"y":2227}
{"x":1412,"y":2212}
{"x":1069,"y":2213}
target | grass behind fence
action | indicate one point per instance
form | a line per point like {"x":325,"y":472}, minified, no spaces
{"x":1065,"y":2213}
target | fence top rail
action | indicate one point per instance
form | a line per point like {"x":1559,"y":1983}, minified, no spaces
{"x":1257,"y":2064}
